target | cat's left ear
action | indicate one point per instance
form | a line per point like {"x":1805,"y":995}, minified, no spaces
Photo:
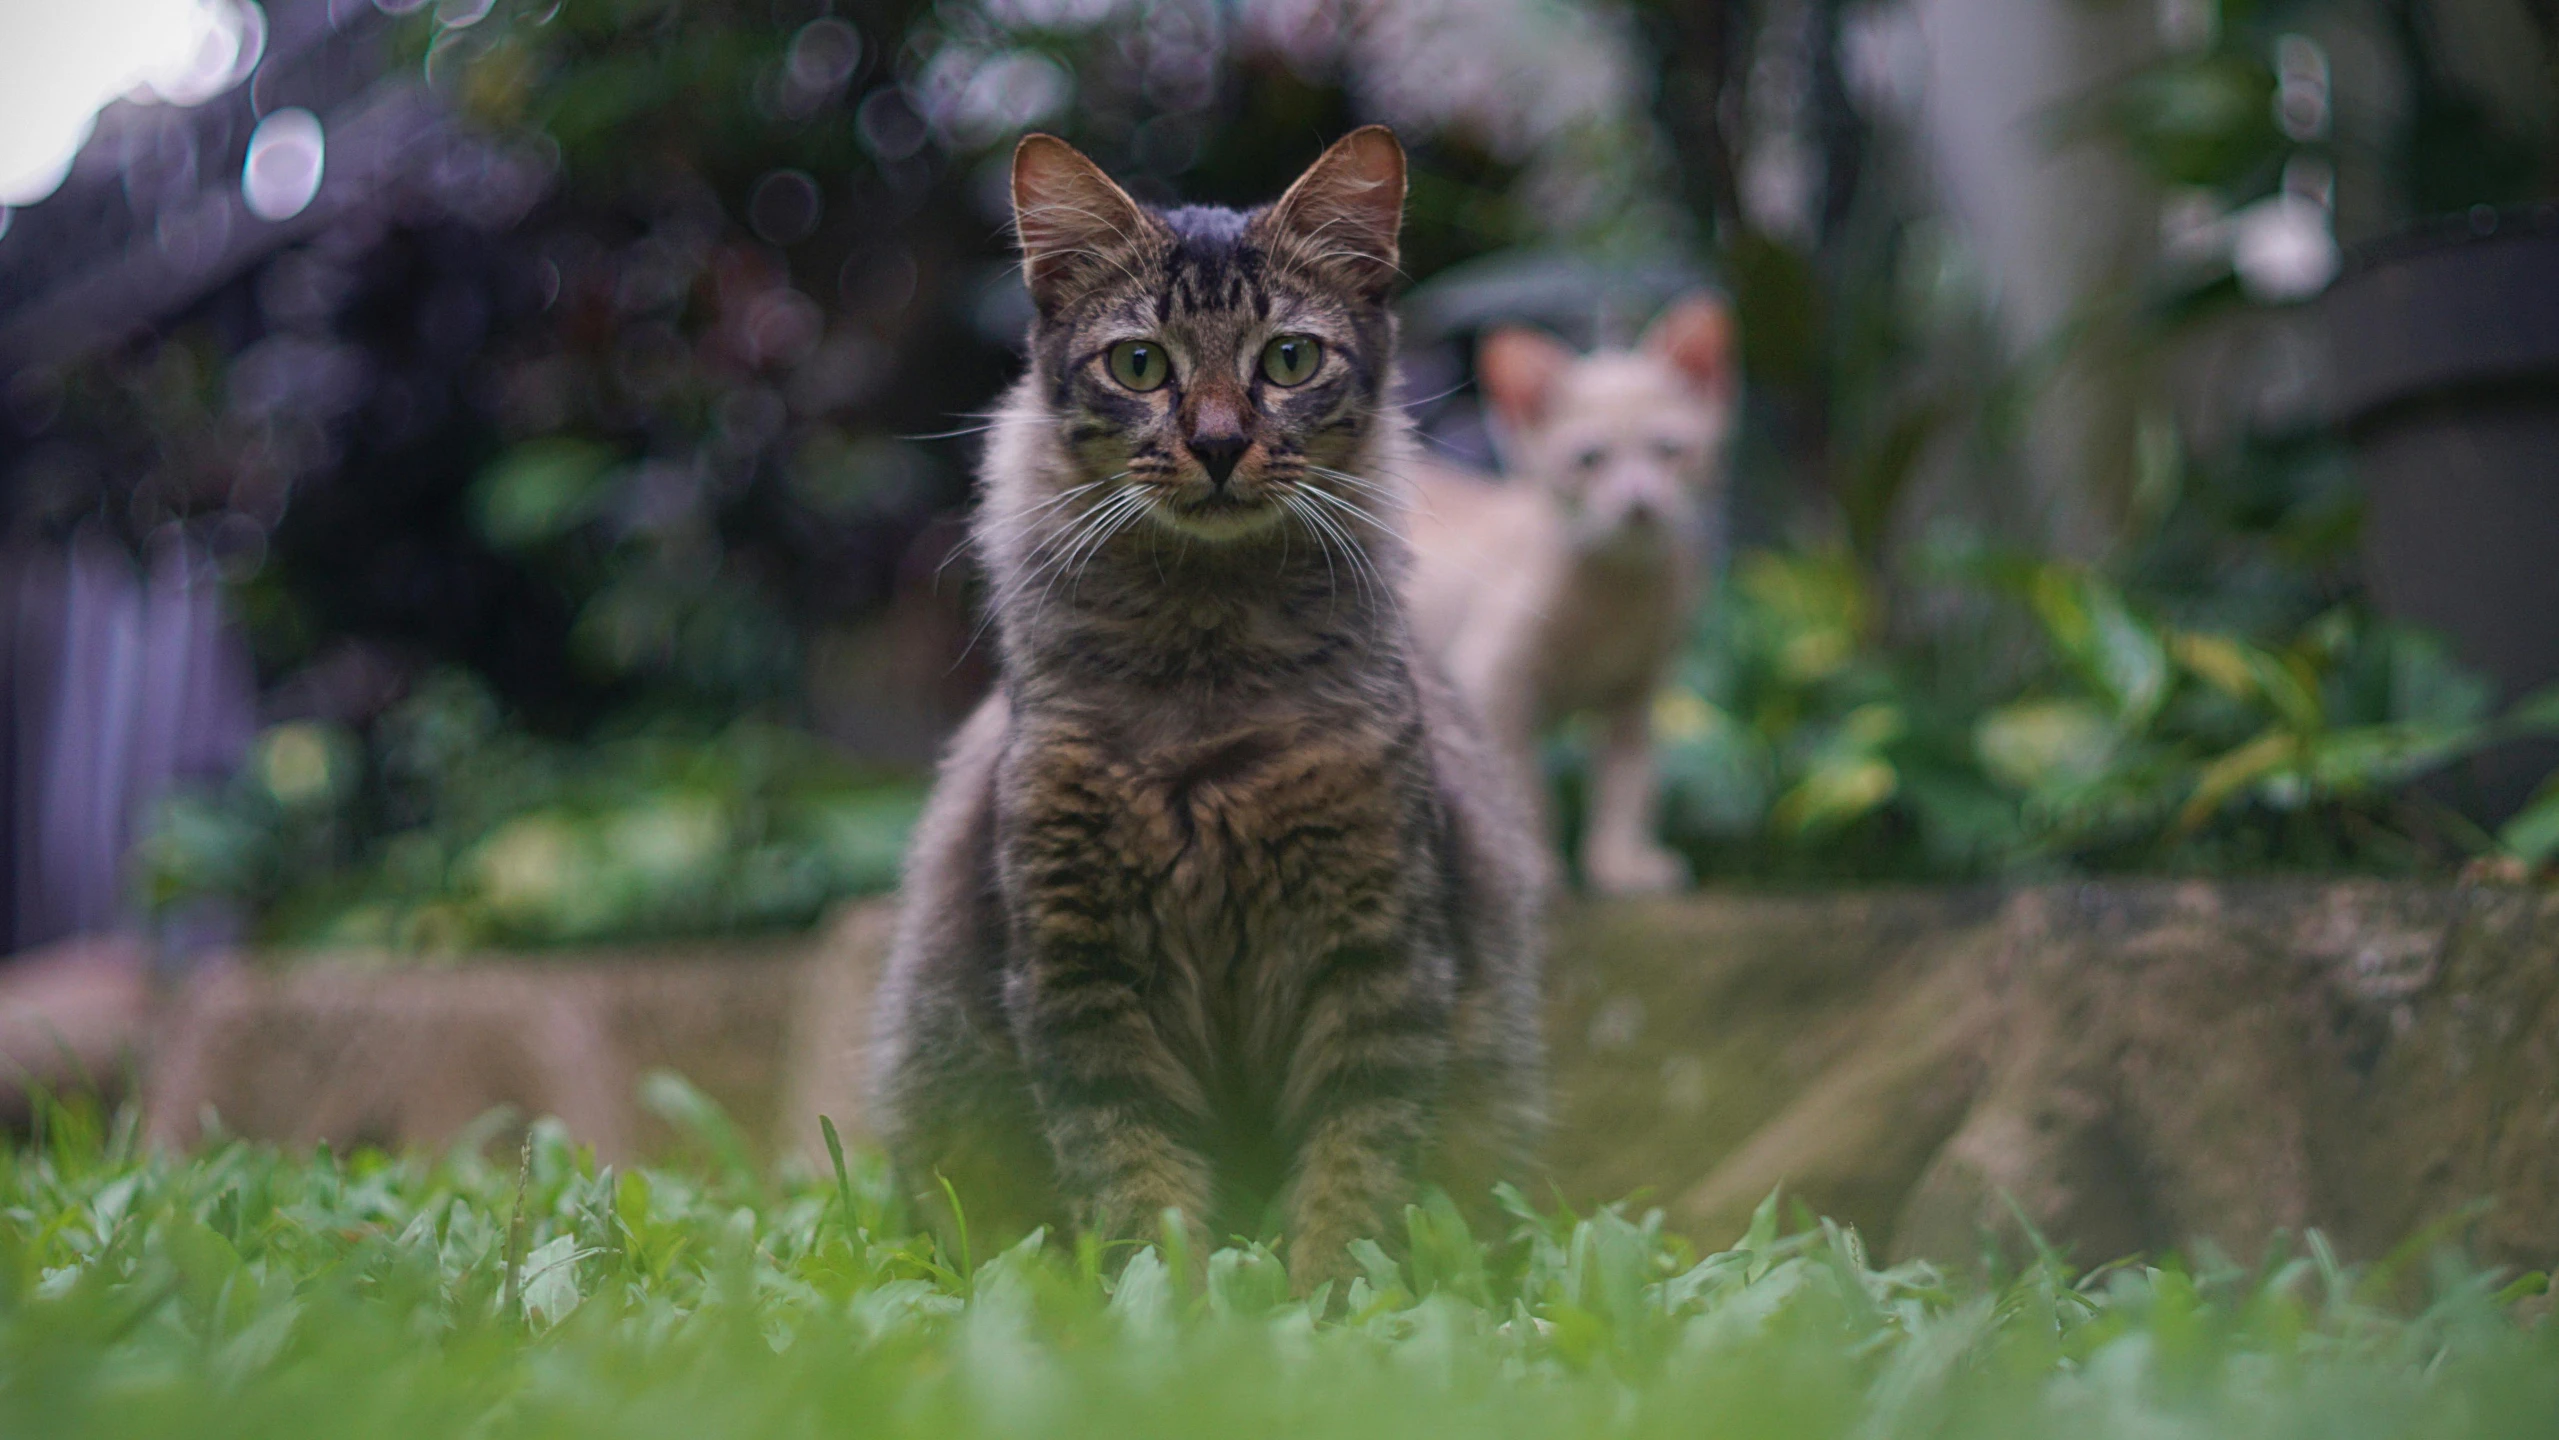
{"x":1696,"y":337}
{"x":1344,"y":212}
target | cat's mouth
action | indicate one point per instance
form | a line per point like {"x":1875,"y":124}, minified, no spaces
{"x":1219,"y":513}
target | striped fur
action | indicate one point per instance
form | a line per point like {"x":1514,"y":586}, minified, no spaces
{"x":1218,"y":906}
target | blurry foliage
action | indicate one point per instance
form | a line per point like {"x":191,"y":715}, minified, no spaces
{"x":2204,"y":117}
{"x":1877,"y":696}
{"x":2377,"y":115}
{"x":1797,"y":745}
{"x":455,"y":829}
{"x":589,"y":477}
{"x":2532,"y":836}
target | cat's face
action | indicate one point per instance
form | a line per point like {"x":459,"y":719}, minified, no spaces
{"x":1629,"y":443}
{"x":1212,"y":372}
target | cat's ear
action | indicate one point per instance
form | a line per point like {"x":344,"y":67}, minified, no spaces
{"x":1074,"y":223}
{"x":1696,"y":337}
{"x":1518,"y":368}
{"x":1344,"y":212}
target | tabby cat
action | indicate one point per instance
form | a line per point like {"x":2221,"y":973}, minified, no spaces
{"x":1218,"y":905}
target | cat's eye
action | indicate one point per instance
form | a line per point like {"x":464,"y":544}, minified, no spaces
{"x":1140,"y":364}
{"x":1291,"y":359}
{"x":1670,"y":451}
{"x":1592,"y":457}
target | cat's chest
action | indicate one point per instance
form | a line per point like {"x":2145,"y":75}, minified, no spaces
{"x":1231,"y":836}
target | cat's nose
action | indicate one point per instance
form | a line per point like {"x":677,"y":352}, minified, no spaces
{"x":1218,"y":451}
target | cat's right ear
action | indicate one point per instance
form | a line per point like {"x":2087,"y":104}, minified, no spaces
{"x":1344,"y":213}
{"x":1696,"y":337}
{"x":1518,"y":368}
{"x":1074,"y":223}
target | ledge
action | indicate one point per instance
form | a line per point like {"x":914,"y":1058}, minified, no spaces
{"x":2137,"y":1064}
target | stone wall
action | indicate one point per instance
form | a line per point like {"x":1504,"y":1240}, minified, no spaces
{"x":2134,"y":1065}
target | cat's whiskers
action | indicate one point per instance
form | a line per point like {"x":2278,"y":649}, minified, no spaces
{"x":1098,"y":526}
{"x":1347,"y":508}
{"x":1417,"y":402}
{"x":1389,"y":496}
{"x":1031,"y":561}
{"x":1065,"y":495}
{"x":1363,"y":570}
{"x":993,"y":419}
{"x":1332,"y":583}
{"x":1048,"y":559}
{"x":1131,"y":515}
{"x":963,"y":430}
{"x":959,"y":550}
{"x":1406,"y":496}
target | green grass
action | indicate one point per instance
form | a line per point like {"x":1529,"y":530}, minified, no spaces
{"x":253,"y":1292}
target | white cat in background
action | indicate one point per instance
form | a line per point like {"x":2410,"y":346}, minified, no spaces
{"x":1567,"y":588}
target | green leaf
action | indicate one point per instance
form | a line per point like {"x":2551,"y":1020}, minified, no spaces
{"x":2366,"y":757}
{"x":2533,"y":835}
{"x":2427,"y":685}
{"x":1763,"y":1223}
{"x":681,"y":1103}
{"x":2128,"y":655}
{"x":2119,"y":654}
{"x":551,"y":1281}
{"x":2045,"y":745}
{"x":2221,"y":661}
{"x":2203,"y":119}
{"x":2535,"y":714}
{"x":1833,"y":794}
{"x":2234,"y":772}
{"x":843,"y":1181}
{"x":2286,"y":681}
{"x":538,"y":491}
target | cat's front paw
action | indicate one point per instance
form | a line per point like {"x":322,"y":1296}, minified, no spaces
{"x":1313,"y":1264}
{"x":1635,"y":870}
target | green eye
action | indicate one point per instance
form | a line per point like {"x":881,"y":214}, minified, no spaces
{"x":1291,"y":359}
{"x":1139,"y":364}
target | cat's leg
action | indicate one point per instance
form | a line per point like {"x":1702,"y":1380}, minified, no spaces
{"x":1114,"y":1101}
{"x":1119,"y":1109}
{"x":948,"y":1098}
{"x":1492,"y":1123}
{"x":966,"y":1146}
{"x":1619,"y":854}
{"x":1361,"y":1092}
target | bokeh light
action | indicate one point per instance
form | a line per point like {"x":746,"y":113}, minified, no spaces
{"x":287,"y":153}
{"x":60,"y":64}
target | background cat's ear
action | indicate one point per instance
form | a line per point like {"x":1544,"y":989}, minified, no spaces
{"x":1073,"y":221}
{"x":1344,"y":212}
{"x":1518,"y":368}
{"x":1696,"y":337}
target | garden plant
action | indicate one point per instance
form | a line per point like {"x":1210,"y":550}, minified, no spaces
{"x":251,"y":1291}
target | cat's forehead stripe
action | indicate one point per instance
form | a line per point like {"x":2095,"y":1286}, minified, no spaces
{"x":1210,"y":265}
